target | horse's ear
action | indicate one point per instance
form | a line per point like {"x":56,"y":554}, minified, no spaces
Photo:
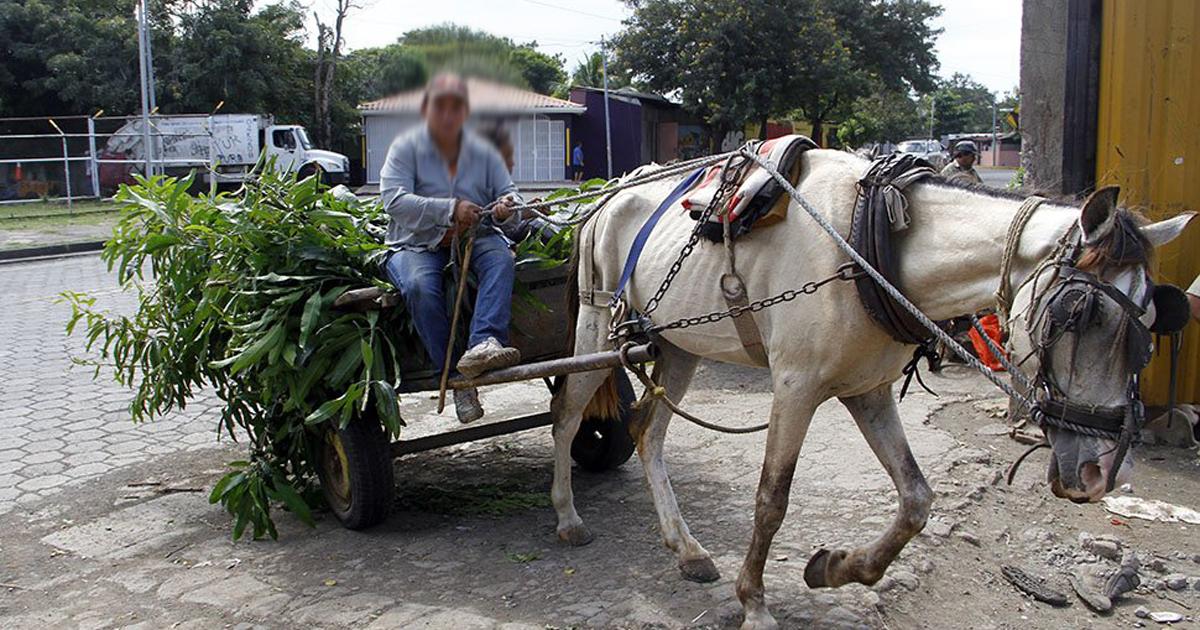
{"x":1099,"y":214}
{"x":1165,"y":231}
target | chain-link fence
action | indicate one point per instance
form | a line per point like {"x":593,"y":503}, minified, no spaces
{"x":65,"y":158}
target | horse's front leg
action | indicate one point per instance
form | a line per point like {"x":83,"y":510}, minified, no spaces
{"x":791,"y":413}
{"x":567,"y":409}
{"x":673,"y":370}
{"x":877,"y":418}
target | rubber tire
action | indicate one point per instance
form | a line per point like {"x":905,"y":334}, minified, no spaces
{"x":372,"y":478}
{"x":308,"y":170}
{"x":603,"y":444}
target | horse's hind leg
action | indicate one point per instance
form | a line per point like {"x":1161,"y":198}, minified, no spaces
{"x":673,"y":371}
{"x":791,"y":413}
{"x":567,"y":409}
{"x":877,"y":418}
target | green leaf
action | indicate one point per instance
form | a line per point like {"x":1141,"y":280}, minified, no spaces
{"x":310,"y":318}
{"x":256,"y":350}
{"x":287,"y":495}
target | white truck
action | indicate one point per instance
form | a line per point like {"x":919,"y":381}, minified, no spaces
{"x":230,"y":144}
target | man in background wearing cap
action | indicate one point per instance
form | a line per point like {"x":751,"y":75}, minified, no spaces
{"x":435,"y":183}
{"x":962,"y":168}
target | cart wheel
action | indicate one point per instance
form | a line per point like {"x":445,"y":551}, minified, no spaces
{"x":604,"y":444}
{"x":356,"y":473}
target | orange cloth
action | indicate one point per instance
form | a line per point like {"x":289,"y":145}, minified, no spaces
{"x":990,"y":325}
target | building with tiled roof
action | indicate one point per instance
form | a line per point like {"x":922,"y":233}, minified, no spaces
{"x":540,"y":127}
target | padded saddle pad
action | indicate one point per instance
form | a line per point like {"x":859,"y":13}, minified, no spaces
{"x":759,"y":200}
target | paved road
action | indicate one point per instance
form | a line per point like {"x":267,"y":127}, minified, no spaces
{"x":57,"y":425}
{"x":94,"y":540}
{"x":997,"y":177}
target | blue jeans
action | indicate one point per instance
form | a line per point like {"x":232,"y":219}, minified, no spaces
{"x":418,"y":276}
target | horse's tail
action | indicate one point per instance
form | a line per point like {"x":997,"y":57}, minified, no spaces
{"x":606,"y":402}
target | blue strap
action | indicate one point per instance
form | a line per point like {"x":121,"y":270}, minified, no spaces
{"x":639,"y":243}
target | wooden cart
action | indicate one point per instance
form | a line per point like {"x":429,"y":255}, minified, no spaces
{"x":356,"y":466}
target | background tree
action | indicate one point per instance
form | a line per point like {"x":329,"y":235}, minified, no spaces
{"x":884,"y":116}
{"x":727,"y":60}
{"x":329,"y":52}
{"x":961,"y":105}
{"x":733,"y":62}
{"x":67,"y":57}
{"x":466,"y":50}
{"x":589,"y":72}
{"x":866,"y":44}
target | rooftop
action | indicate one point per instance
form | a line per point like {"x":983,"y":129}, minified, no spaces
{"x":487,"y":97}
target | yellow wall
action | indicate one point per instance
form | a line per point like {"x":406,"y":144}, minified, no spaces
{"x":1148,"y":143}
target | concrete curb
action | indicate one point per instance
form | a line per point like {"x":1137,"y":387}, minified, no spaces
{"x":49,"y":251}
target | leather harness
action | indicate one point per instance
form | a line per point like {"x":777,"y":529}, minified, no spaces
{"x":879,"y":210}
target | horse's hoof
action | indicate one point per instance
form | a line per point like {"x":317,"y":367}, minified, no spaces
{"x":763,"y":621}
{"x":701,"y":570}
{"x":576,"y":536}
{"x":816,"y":573}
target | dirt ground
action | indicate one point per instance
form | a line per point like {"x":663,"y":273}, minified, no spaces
{"x":471,"y":541}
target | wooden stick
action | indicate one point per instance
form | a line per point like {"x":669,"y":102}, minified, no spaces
{"x":462,"y":288}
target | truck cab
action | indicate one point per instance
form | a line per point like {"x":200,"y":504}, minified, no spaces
{"x":293,"y":152}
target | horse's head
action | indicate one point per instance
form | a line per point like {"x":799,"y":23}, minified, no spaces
{"x":1081,"y":331}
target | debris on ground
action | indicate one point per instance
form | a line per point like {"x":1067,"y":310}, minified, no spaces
{"x":1150,"y":509}
{"x":1035,"y":587}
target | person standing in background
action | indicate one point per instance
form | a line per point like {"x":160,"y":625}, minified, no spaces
{"x":577,"y":161}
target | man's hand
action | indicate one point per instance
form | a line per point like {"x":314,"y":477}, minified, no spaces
{"x":503,"y":209}
{"x":466,"y":214}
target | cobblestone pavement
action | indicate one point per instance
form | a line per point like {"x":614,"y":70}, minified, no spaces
{"x":57,"y":425}
{"x":106,"y":525}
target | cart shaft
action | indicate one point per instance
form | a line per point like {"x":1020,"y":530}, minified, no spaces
{"x":557,"y":367}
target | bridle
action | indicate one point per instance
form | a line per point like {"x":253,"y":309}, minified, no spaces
{"x":1070,"y":306}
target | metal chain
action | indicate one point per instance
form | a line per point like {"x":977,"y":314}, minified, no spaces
{"x":729,"y":180}
{"x":845,"y":272}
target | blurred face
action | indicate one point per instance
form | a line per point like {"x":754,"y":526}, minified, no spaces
{"x":966,"y":160}
{"x":445,"y":116}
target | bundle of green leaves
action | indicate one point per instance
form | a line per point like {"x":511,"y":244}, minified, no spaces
{"x":236,"y":293}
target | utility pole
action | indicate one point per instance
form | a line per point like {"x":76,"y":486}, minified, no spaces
{"x":995,"y":148}
{"x":932,"y":107}
{"x":147,"y":87}
{"x":607,"y":123}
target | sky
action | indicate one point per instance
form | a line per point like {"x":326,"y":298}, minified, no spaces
{"x":980,"y":38}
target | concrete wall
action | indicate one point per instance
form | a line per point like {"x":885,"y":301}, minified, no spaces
{"x":1043,"y":92}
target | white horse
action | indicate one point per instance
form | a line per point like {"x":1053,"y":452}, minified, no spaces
{"x":819,"y":346}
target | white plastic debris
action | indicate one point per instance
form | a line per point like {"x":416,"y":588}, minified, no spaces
{"x":1166,"y":617}
{"x":1150,"y":509}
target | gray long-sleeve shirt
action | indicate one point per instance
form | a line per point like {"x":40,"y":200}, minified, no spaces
{"x":419,"y":194}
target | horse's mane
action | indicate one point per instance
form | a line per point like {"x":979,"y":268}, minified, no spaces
{"x":1123,"y":246}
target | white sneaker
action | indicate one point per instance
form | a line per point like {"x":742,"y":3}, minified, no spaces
{"x":467,"y":406}
{"x":487,"y":355}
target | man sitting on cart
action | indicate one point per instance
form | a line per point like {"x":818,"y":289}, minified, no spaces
{"x":435,"y":184}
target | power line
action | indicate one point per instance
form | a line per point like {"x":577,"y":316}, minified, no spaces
{"x":570,"y":10}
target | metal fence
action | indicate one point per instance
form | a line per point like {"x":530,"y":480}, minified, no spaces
{"x":67,"y":158}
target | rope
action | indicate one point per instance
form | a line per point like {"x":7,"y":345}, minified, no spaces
{"x":1004,"y":295}
{"x":654,"y":392}
{"x":609,"y":191}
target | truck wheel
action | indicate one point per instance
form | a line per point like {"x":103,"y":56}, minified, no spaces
{"x":356,"y":474}
{"x":308,"y":170}
{"x":603,"y":443}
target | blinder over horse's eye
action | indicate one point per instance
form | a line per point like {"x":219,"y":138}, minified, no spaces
{"x":1074,"y":309}
{"x":1171,"y":310}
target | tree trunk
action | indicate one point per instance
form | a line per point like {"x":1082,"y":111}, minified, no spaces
{"x":818,"y":131}
{"x":762,"y":130}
